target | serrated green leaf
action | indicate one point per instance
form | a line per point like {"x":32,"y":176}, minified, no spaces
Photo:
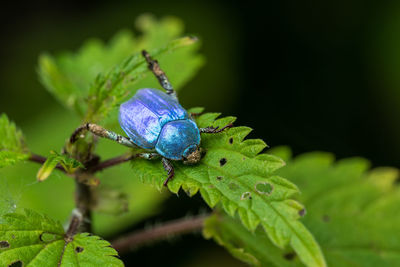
{"x":69,"y":76}
{"x":37,"y":240}
{"x":353,"y":213}
{"x":69,"y":165}
{"x":254,"y":248}
{"x":233,"y":173}
{"x":12,"y":144}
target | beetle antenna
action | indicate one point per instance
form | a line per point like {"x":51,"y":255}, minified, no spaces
{"x":159,"y":73}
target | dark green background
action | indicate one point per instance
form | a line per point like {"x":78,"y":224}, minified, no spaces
{"x":314,"y":75}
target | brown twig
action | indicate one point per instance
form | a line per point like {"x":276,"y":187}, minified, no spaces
{"x":172,"y":228}
{"x":112,"y":162}
{"x":40,"y":159}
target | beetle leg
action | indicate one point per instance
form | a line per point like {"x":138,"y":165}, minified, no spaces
{"x":169,"y":168}
{"x":159,"y":73}
{"x":211,"y":129}
{"x":100,"y":131}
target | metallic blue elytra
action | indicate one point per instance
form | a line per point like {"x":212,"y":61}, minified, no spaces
{"x":155,"y":120}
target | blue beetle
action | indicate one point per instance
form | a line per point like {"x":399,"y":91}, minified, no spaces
{"x":155,"y":121}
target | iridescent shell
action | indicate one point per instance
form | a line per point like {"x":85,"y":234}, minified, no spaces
{"x":155,"y":120}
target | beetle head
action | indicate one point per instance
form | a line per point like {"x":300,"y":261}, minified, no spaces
{"x":193,"y":156}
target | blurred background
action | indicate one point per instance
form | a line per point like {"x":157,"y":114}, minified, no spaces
{"x":314,"y":75}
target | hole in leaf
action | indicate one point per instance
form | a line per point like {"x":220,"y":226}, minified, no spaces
{"x":245,"y":195}
{"x":326,"y":218}
{"x":289,"y":256}
{"x":231,"y":140}
{"x":4,"y":244}
{"x":233,"y":186}
{"x":16,"y":264}
{"x":222,"y":162}
{"x":79,"y":249}
{"x":264,"y":188}
{"x":219,"y":178}
{"x":302,"y":212}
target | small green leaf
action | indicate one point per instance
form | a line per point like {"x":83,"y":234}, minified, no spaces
{"x":12,"y":144}
{"x":69,"y":164}
{"x":36,"y":240}
{"x":69,"y":76}
{"x":233,"y":173}
{"x":353,"y":212}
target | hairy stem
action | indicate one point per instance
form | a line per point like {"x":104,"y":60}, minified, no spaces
{"x":177,"y":227}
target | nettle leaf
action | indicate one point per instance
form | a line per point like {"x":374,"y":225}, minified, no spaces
{"x":33,"y":239}
{"x":12,"y":144}
{"x":254,"y":248}
{"x":69,"y":164}
{"x":69,"y":76}
{"x":353,"y":212}
{"x":234,"y":174}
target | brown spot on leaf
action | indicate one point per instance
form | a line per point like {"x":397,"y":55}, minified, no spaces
{"x":79,"y":249}
{"x":222,"y":162}
{"x":302,"y":212}
{"x":326,"y":218}
{"x":4,"y":244}
{"x":219,"y":178}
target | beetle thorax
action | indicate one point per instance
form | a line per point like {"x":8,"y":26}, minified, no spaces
{"x":179,"y":140}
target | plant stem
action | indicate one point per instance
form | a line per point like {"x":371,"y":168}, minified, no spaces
{"x":176,"y":227}
{"x":40,"y":159}
{"x":83,"y":202}
{"x":74,"y":224}
{"x":112,"y":162}
{"x":99,"y":167}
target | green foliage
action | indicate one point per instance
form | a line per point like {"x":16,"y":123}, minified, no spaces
{"x":37,"y":240}
{"x":69,"y":77}
{"x":69,"y":164}
{"x":12,"y":144}
{"x":234,"y":174}
{"x":109,"y":90}
{"x":254,"y":248}
{"x":352,"y":212}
